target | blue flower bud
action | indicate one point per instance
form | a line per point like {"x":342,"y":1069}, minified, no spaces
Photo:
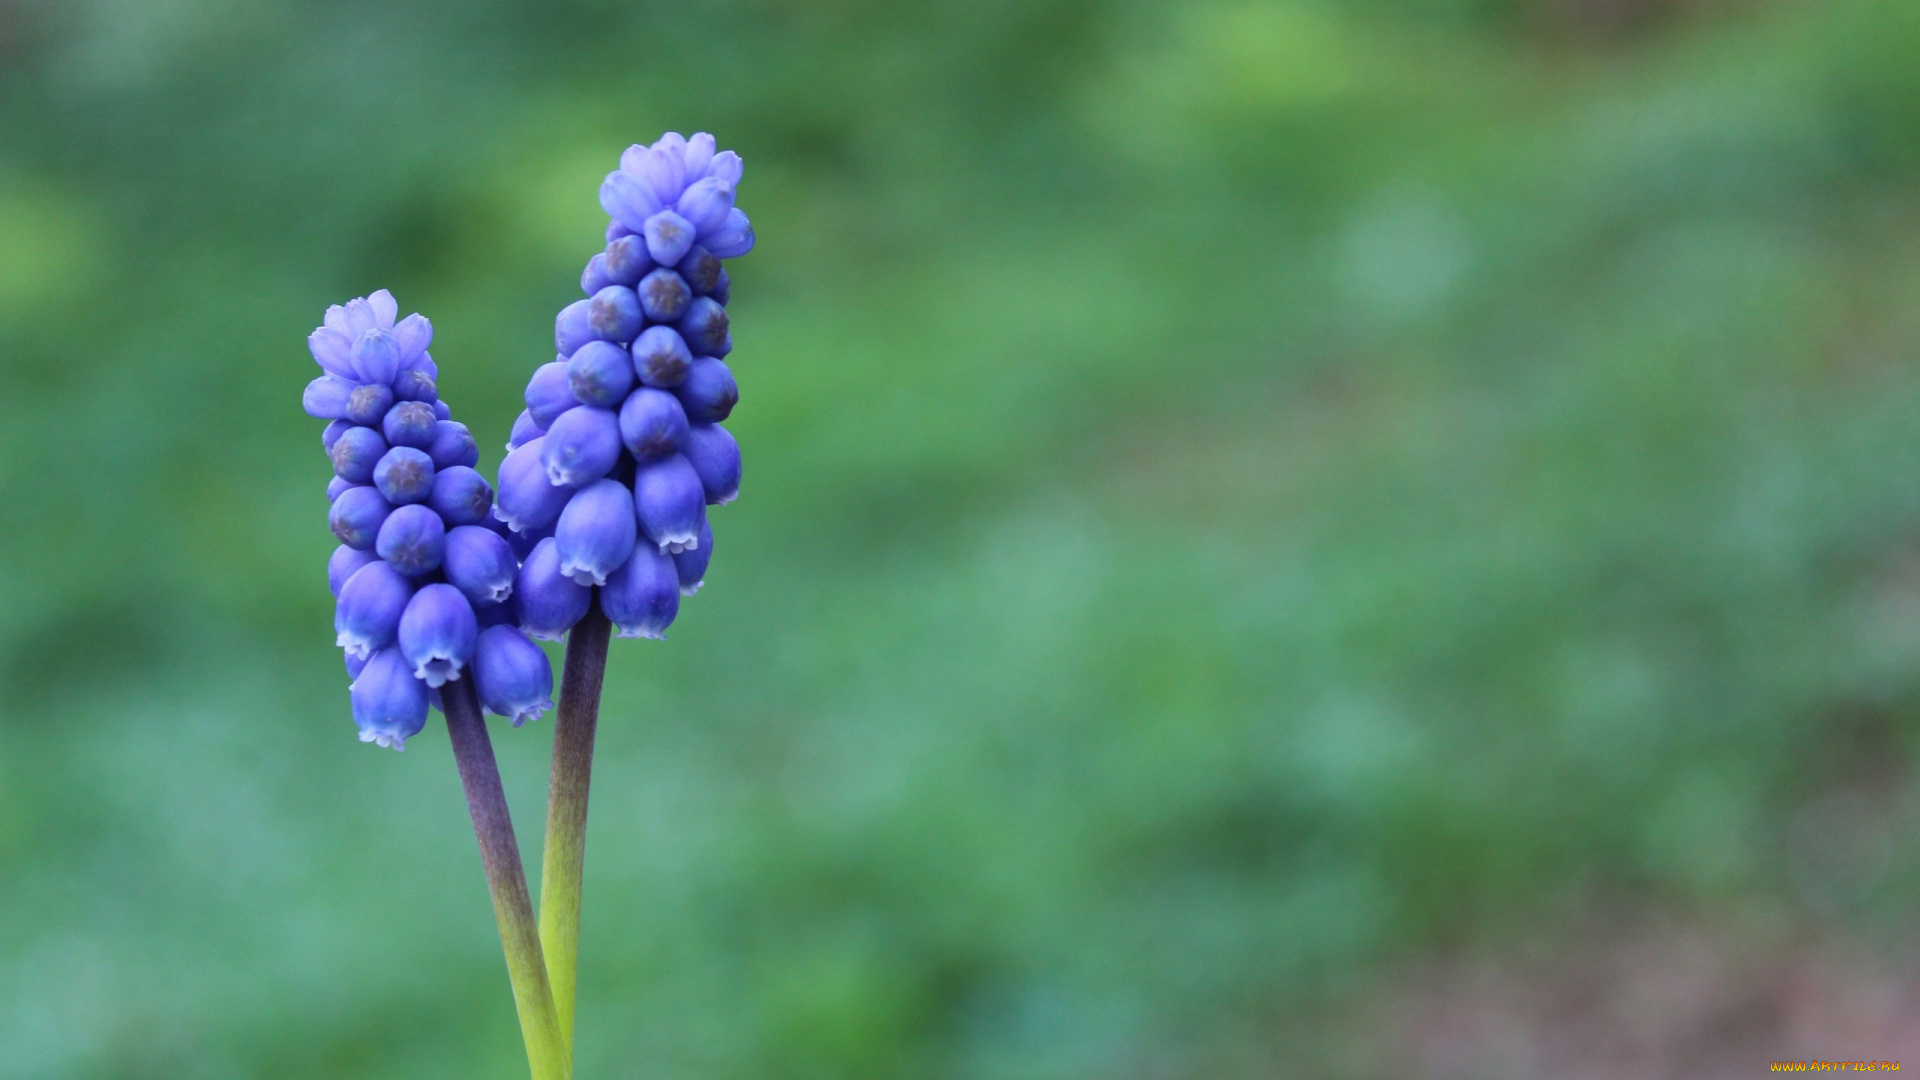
{"x":705,"y":203}
{"x":550,"y":602}
{"x":726,"y":347}
{"x":404,"y":475}
{"x":691,"y":564}
{"x":716,"y":457}
{"x":333,"y":351}
{"x":413,"y":334}
{"x":628,"y":261}
{"x":389,"y":704}
{"x":460,"y":495}
{"x":437,"y":634}
{"x":660,"y":356}
{"x":669,"y":501}
{"x":452,"y":445}
{"x":409,"y":423}
{"x":722,"y":289}
{"x":326,"y":397}
{"x":668,"y":237}
{"x":343,"y":563}
{"x":596,"y":532}
{"x":385,"y":308}
{"x":581,"y":446}
{"x":708,"y":393}
{"x":727,"y":168}
{"x":573,"y":328}
{"x":614,"y":314}
{"x":704,"y":327}
{"x":376,"y":356}
{"x":733,"y":239}
{"x":549,"y":393}
{"x":601,"y":373}
{"x":594,"y":277}
{"x":355,"y":453}
{"x":652,"y":423}
{"x":336,"y":486}
{"x":664,"y":295}
{"x":333,"y":431}
{"x":414,"y":384}
{"x":367,"y":618}
{"x":525,"y":430}
{"x":701,"y":270}
{"x":699,"y":155}
{"x":356,"y":516}
{"x":628,"y":200}
{"x":413,"y":539}
{"x":524,"y":498}
{"x":616,"y":231}
{"x":369,"y":402}
{"x":441,"y":411}
{"x":512,"y":675}
{"x":643,"y":595}
{"x":479,"y":563}
{"x":665,"y":171}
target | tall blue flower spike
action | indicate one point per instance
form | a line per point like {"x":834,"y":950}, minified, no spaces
{"x":630,"y":407}
{"x":413,"y":567}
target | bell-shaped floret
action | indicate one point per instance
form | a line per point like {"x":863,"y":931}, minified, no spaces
{"x":326,"y":397}
{"x":716,"y":457}
{"x":342,"y":565}
{"x":669,"y":502}
{"x":525,"y":499}
{"x":581,"y":446}
{"x":691,"y":564}
{"x":413,"y":539}
{"x":437,"y":633}
{"x":356,"y":516}
{"x":614,"y":314}
{"x":512,"y":675}
{"x":660,"y":356}
{"x":550,"y":602}
{"x":525,"y":430}
{"x":404,"y":475}
{"x":452,"y":445}
{"x":367,"y":617}
{"x":409,"y":423}
{"x":479,"y":563}
{"x":389,"y":704}
{"x":549,"y":393}
{"x":643,"y":595}
{"x":652,"y":423}
{"x":704,"y":326}
{"x":708,"y":393}
{"x":596,"y":532}
{"x":664,"y":295}
{"x":601,"y":373}
{"x":461,"y":496}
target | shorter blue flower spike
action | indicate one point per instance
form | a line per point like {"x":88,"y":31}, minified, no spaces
{"x":367,"y":618}
{"x":601,"y":373}
{"x":452,"y":445}
{"x":670,"y":502}
{"x":342,"y":565}
{"x":409,"y":423}
{"x":404,"y":475}
{"x":512,"y":675}
{"x":704,"y":326}
{"x":669,"y":236}
{"x":652,"y":424}
{"x":368,"y":403}
{"x":581,"y":446}
{"x":643,"y":596}
{"x":716,"y":457}
{"x":335,"y":487}
{"x":596,"y":532}
{"x":549,"y":393}
{"x":480,"y":564}
{"x":437,"y":634}
{"x":524,"y":498}
{"x":326,"y":397}
{"x":413,"y":539}
{"x":333,"y":431}
{"x":461,"y":496}
{"x":595,"y":276}
{"x":691,"y":564}
{"x":661,"y":358}
{"x":416,"y":385}
{"x":628,"y":261}
{"x":376,"y":356}
{"x":664,"y":295}
{"x":573,"y":327}
{"x":614,"y":314}
{"x":356,"y":516}
{"x":701,"y":270}
{"x":389,"y":704}
{"x":525,"y":430}
{"x":550,"y":602}
{"x":355,"y":453}
{"x":708,"y":393}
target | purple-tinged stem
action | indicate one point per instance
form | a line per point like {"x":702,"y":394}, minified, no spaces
{"x":547,"y":1051}
{"x":565,"y":860}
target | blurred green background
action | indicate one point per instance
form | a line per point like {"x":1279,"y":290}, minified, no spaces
{"x":1281,"y":538}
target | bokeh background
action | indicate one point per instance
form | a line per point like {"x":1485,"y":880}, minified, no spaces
{"x":1281,"y":538}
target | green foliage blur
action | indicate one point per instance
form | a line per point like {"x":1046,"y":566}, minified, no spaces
{"x":1249,"y":504}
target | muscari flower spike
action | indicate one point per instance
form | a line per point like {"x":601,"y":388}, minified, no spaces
{"x":425,"y":592}
{"x":612,"y":466}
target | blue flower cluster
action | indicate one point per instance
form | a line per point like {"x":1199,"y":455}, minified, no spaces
{"x":423,"y":577}
{"x":620,"y":450}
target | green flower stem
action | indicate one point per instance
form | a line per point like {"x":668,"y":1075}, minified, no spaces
{"x":547,"y":1051}
{"x":560,"y":875}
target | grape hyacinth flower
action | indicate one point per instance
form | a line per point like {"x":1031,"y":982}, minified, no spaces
{"x":414,"y":576}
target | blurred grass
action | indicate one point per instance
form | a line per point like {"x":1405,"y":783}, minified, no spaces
{"x":1242,"y":497}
